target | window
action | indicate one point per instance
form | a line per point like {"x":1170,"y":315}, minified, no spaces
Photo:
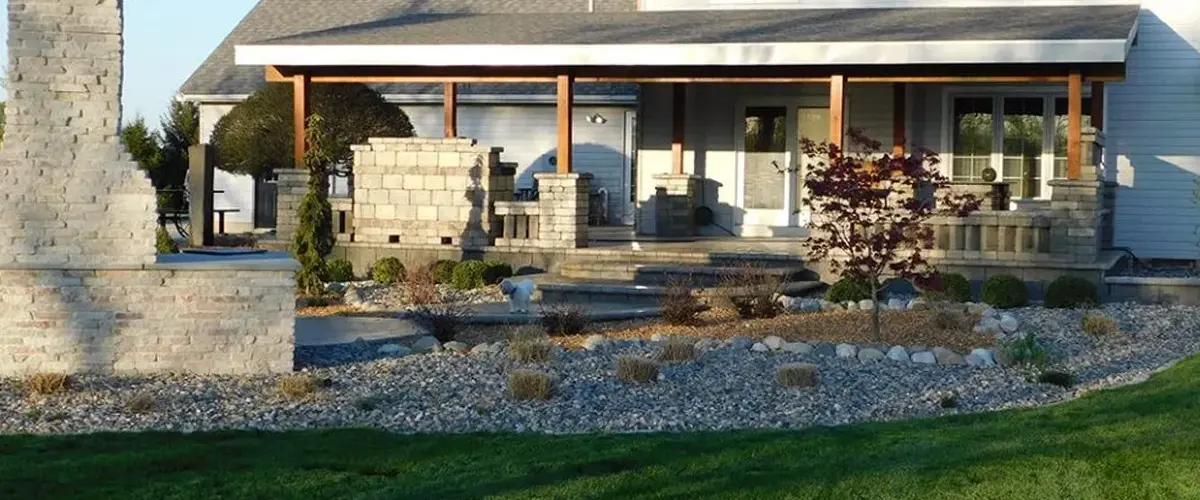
{"x":766,"y":156}
{"x":1021,"y":136}
{"x":973,"y":137}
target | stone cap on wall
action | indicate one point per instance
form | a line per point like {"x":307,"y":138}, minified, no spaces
{"x":265,"y":261}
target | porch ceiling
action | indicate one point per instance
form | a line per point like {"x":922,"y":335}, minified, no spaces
{"x":793,"y":37}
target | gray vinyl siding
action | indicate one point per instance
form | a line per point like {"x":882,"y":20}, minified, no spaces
{"x":528,"y":134}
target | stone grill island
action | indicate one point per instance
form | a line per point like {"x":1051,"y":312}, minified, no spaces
{"x":81,"y":286}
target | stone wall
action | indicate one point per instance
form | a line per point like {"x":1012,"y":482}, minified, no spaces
{"x":292,"y":187}
{"x":428,"y":191}
{"x":563,"y":210}
{"x":81,"y":289}
{"x":675,"y":204}
{"x":147,"y":320}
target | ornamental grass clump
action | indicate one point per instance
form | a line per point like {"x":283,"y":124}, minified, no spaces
{"x":1026,"y":350}
{"x":142,"y":402}
{"x":678,"y":350}
{"x":46,"y":384}
{"x":299,"y":387}
{"x":1099,"y":325}
{"x":798,"y":375}
{"x":637,"y":369}
{"x":530,"y":346}
{"x":530,"y":385}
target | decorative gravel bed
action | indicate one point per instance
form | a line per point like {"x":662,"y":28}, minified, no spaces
{"x":368,"y":298}
{"x":731,"y":385}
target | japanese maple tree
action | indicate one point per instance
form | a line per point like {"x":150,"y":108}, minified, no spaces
{"x":869,"y":211}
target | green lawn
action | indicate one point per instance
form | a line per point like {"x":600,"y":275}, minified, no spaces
{"x":1138,"y":442}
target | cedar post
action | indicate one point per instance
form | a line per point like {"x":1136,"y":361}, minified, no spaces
{"x":837,"y":109}
{"x":566,"y":97}
{"x":300,"y":110}
{"x":678,"y":116}
{"x":899,"y":118}
{"x":1074,"y":125}
{"x":450,"y":105}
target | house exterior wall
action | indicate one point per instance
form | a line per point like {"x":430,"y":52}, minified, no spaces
{"x":528,"y":134}
{"x":710,"y":144}
{"x":1152,"y":119}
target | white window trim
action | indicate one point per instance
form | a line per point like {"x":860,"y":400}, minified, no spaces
{"x":1048,"y":94}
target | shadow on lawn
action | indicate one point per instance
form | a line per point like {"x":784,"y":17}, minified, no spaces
{"x":1141,"y":430}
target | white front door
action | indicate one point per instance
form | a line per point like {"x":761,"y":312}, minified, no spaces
{"x":630,"y":181}
{"x":770,"y":187}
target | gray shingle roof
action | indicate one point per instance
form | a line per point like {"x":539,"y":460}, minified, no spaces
{"x":737,"y":26}
{"x":218,"y":75}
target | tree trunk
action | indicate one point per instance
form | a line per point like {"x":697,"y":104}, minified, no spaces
{"x":875,"y":328}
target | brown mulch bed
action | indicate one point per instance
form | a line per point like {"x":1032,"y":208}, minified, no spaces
{"x":907,"y":328}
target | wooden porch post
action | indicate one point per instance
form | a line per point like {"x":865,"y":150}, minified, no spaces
{"x":566,"y":96}
{"x":300,"y":111}
{"x":1098,"y":105}
{"x":450,"y":107}
{"x":837,"y":109}
{"x":1074,"y":125}
{"x":678,"y":117}
{"x":899,"y":118}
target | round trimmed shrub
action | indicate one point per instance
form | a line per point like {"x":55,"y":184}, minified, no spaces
{"x":443,"y":271}
{"x":339,"y":271}
{"x":388,"y":271}
{"x":495,"y":271}
{"x":1071,"y":292}
{"x":953,"y":287}
{"x":1005,"y":292}
{"x":468,"y":275}
{"x":848,"y":290}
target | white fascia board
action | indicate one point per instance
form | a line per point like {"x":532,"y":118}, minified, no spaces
{"x":721,"y":54}
{"x":510,"y":99}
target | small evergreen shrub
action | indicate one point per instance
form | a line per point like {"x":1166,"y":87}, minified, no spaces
{"x":163,"y":242}
{"x":1069,"y":292}
{"x":339,"y":271}
{"x":1061,"y":379}
{"x":1026,"y":350}
{"x":495,"y":271}
{"x":951,"y":287}
{"x":948,"y":402}
{"x":468,"y":275}
{"x":1004,"y":291}
{"x":443,"y":271}
{"x":798,"y":375}
{"x":388,"y":271}
{"x":849,"y":289}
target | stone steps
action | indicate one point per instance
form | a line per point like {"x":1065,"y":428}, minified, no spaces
{"x":638,"y":295}
{"x":698,"y":274}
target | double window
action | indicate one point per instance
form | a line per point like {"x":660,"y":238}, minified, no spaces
{"x":1022,"y":137}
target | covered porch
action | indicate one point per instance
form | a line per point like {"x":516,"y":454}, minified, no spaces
{"x":726,"y":97}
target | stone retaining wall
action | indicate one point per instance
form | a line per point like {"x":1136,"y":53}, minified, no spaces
{"x":146,"y":320}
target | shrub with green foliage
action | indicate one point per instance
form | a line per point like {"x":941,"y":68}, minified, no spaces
{"x":1061,"y":379}
{"x":314,"y":235}
{"x":1004,"y":291}
{"x":340,"y":270}
{"x":849,"y":289}
{"x":495,"y":271}
{"x":256,"y":137}
{"x":163,"y":242}
{"x":951,"y":287}
{"x":1069,"y":292}
{"x":388,"y":271}
{"x":443,"y":271}
{"x":468,"y":275}
{"x":1026,"y":350}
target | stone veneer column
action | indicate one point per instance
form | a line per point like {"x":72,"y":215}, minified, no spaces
{"x":563,"y":204}
{"x":1077,"y":206}
{"x":71,"y":196}
{"x":81,"y":287}
{"x":292,"y":187}
{"x":675,"y":204}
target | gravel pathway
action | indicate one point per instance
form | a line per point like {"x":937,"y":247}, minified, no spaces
{"x":725,"y":389}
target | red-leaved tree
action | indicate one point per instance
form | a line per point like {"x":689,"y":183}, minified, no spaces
{"x":869,"y":211}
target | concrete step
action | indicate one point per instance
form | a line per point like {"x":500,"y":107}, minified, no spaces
{"x":701,"y":274}
{"x":634,"y":294}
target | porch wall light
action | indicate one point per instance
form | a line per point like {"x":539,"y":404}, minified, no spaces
{"x":597,"y":119}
